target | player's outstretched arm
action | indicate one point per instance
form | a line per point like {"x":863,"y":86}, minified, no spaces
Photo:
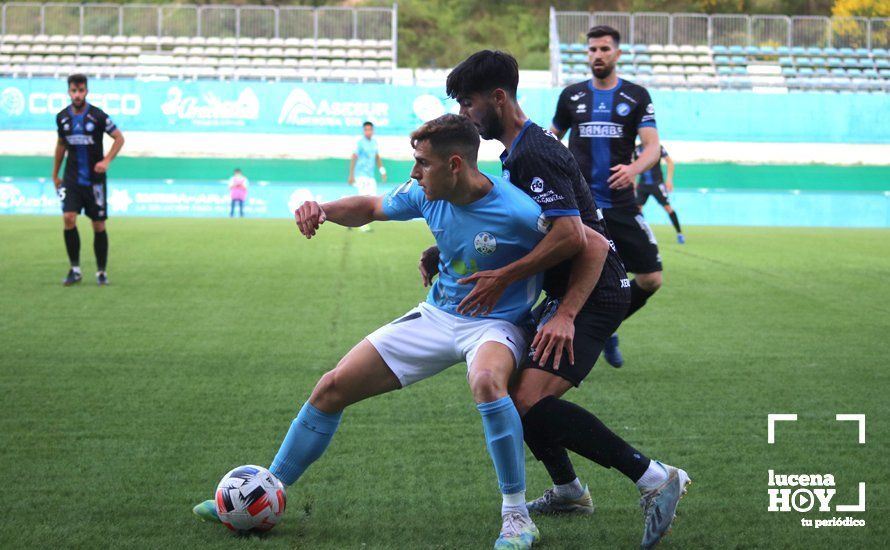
{"x":558,"y":333}
{"x":348,"y":211}
{"x":565,"y":239}
{"x":670,"y":179}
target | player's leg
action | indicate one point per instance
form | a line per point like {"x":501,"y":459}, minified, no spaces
{"x":361,"y":374}
{"x":232,"y":209}
{"x":95,"y":209}
{"x":661,"y":196}
{"x":71,"y":207}
{"x":241,"y":208}
{"x":491,"y":364}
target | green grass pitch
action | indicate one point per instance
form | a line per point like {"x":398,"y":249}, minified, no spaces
{"x":123,"y":406}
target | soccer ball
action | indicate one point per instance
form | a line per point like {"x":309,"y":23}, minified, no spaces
{"x":249,"y":499}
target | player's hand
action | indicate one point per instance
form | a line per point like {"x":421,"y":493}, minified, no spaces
{"x":57,"y":181}
{"x":308,"y":217}
{"x":557,"y":335}
{"x":490,"y":285}
{"x":622,"y":176}
{"x":351,"y":180}
{"x":669,"y":185}
{"x":101,"y":167}
{"x":429,"y":265}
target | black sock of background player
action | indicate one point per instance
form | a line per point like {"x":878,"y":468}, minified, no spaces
{"x":579,"y":431}
{"x":72,"y":245}
{"x":100,"y":247}
{"x":676,"y":221}
{"x":638,"y":297}
{"x":554,"y":457}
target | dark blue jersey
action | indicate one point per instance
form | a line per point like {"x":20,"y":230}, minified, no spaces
{"x":654,"y":175}
{"x":538,"y":164}
{"x":604,"y":126}
{"x":82,"y":134}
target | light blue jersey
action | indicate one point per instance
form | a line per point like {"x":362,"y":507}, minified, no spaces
{"x":366,"y":161}
{"x":489,"y":233}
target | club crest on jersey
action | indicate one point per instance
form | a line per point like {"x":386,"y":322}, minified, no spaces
{"x":650,"y":109}
{"x":622,"y":109}
{"x":90,"y":126}
{"x":537,"y":185}
{"x":485,"y":243}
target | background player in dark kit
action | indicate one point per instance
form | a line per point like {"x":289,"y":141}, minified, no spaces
{"x":82,"y":188}
{"x":605,"y":115}
{"x":652,"y":183}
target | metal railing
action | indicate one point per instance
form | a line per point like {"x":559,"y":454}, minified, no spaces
{"x":726,"y":30}
{"x":199,"y":20}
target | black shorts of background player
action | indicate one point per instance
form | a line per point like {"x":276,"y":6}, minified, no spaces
{"x":652,"y":183}
{"x":605,"y":115}
{"x":80,"y":128}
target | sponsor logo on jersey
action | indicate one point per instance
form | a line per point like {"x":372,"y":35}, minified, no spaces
{"x":582,"y":108}
{"x":578,"y":96}
{"x":79,"y":139}
{"x":601,"y":108}
{"x":485,"y":243}
{"x":537,"y":185}
{"x":623,"y":109}
{"x":627,"y":97}
{"x":506,"y":174}
{"x":601,"y":129}
{"x":625,"y":283}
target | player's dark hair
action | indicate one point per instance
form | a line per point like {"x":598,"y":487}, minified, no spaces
{"x":600,"y":31}
{"x":77,"y":79}
{"x":449,"y":134}
{"x":237,"y":169}
{"x":484,"y":71}
{"x":367,"y":123}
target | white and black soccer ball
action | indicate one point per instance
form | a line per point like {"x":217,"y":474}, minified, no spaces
{"x":250,"y":499}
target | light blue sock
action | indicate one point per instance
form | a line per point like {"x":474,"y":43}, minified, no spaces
{"x":503,"y":438}
{"x":306,"y":440}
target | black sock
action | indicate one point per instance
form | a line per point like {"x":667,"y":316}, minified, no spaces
{"x":72,"y":245}
{"x":566,"y":424}
{"x":676,"y":221}
{"x":638,"y":297}
{"x":100,"y":247}
{"x":554,"y":457}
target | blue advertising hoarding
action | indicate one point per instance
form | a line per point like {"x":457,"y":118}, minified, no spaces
{"x":340,"y":108}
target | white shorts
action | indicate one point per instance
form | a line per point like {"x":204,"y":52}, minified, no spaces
{"x":425,"y":341}
{"x":366,"y":186}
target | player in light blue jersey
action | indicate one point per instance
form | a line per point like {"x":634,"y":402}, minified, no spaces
{"x":479,"y":222}
{"x":364,"y":163}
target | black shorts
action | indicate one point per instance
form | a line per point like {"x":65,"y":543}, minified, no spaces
{"x":87,"y":198}
{"x":659,"y":192}
{"x":633,"y":239}
{"x":593,"y":326}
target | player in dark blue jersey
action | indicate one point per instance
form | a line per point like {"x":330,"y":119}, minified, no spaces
{"x":581,"y":312}
{"x":651,"y":183}
{"x":605,"y":114}
{"x":80,"y":128}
